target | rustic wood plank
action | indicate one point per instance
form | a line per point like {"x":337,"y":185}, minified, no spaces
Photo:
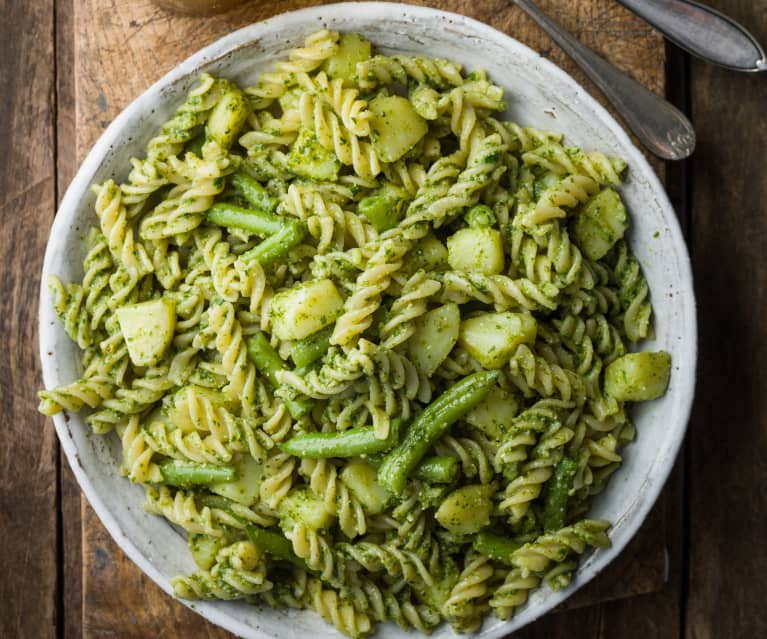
{"x":115,"y":43}
{"x":70,"y":497}
{"x":28,"y":448}
{"x":144,"y":610}
{"x":728,"y":456}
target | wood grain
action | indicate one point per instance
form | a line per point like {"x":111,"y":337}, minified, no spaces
{"x":728,"y":436}
{"x":28,"y":449}
{"x":70,"y":593}
{"x":113,"y":40}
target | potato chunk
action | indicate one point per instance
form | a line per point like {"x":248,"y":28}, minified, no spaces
{"x":352,"y":48}
{"x":362,"y":480}
{"x":492,"y":338}
{"x":228,"y":116}
{"x":638,"y":377}
{"x":245,"y":489}
{"x":476,"y":250}
{"x":600,"y":224}
{"x":301,"y":506}
{"x":466,"y":510}
{"x":493,"y":416}
{"x":395,"y":127}
{"x":148,"y":329}
{"x":436,"y":332}
{"x":305,"y":309}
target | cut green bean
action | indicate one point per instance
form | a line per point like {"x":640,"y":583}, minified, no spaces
{"x":265,"y":358}
{"x":382,"y":211}
{"x":558,"y":493}
{"x":274,"y":544}
{"x":253,"y":192}
{"x":439,"y":469}
{"x":430,"y":425}
{"x":268,"y":362}
{"x":349,"y":443}
{"x":214,"y":501}
{"x":276,"y":246}
{"x":179,"y":473}
{"x":255,"y":221}
{"x":496,"y":547}
{"x":310,"y":349}
{"x":479,"y":216}
{"x":375,"y":459}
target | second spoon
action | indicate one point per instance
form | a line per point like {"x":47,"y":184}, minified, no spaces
{"x":658,"y":124}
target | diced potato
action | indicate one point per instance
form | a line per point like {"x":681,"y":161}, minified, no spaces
{"x":362,"y":480}
{"x":395,"y":127}
{"x":492,"y":338}
{"x":245,"y":489}
{"x":494,"y":414}
{"x":302,"y":506}
{"x":204,"y":549}
{"x":600,"y":223}
{"x":476,"y":250}
{"x":352,"y":48}
{"x":383,"y":210}
{"x":228,"y":117}
{"x":429,"y":254}
{"x":466,"y":510}
{"x":309,"y":159}
{"x":305,"y":309}
{"x":436,"y":332}
{"x":148,"y":329}
{"x":638,"y":376}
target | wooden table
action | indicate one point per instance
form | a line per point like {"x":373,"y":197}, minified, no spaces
{"x":697,"y":568}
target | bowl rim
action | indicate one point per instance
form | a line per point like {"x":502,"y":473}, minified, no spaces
{"x":220,"y":48}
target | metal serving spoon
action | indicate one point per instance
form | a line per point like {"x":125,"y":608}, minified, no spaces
{"x":659,"y":125}
{"x":703,"y":32}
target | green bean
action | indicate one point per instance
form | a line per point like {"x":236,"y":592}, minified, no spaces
{"x":268,"y":362}
{"x":383,"y":212}
{"x":375,"y":459}
{"x":178,"y":473}
{"x":253,"y":192}
{"x":215,"y":501}
{"x":310,"y":349}
{"x":439,"y":469}
{"x":349,"y":443}
{"x":479,"y":216}
{"x":430,"y":425}
{"x":274,"y":544}
{"x":496,"y":547}
{"x":274,"y":247}
{"x":557,"y":494}
{"x":255,"y":221}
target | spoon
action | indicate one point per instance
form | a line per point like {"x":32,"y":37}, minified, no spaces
{"x":659,"y":125}
{"x":703,"y":32}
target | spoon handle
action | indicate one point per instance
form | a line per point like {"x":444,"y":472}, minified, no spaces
{"x":702,"y":31}
{"x":660,"y":126}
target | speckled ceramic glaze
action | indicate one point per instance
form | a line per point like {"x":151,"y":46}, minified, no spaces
{"x":538,"y":94}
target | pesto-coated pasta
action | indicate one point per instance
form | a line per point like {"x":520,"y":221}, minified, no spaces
{"x":357,"y":251}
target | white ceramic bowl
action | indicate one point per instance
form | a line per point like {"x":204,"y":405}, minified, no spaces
{"x":538,"y":94}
